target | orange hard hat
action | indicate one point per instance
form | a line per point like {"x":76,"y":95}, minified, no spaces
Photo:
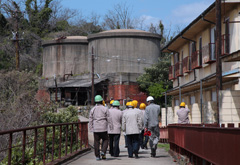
{"x":135,"y":103}
{"x":142,"y":106}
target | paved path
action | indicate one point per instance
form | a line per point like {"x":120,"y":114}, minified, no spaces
{"x":88,"y":158}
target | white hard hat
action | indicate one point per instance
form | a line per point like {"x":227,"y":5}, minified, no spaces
{"x":150,"y":98}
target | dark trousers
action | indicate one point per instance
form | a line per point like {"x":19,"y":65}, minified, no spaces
{"x":114,"y":144}
{"x":133,"y":143}
{"x":143,"y":140}
{"x":97,"y":137}
{"x":125,"y":137}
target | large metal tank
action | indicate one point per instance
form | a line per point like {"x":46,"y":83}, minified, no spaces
{"x":123,"y":53}
{"x":65,"y":55}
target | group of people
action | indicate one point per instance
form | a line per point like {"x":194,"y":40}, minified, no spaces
{"x":137,"y":122}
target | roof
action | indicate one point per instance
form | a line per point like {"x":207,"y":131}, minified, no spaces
{"x":76,"y":83}
{"x":197,"y":25}
{"x":123,"y":33}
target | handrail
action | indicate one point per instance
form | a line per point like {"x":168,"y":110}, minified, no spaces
{"x":51,"y":142}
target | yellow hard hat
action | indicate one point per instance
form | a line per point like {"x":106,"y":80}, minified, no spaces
{"x":142,"y":106}
{"x":182,"y":104}
{"x":129,"y":104}
{"x":103,"y":102}
{"x":135,"y":103}
{"x":111,"y":102}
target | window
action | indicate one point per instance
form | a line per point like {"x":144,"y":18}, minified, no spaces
{"x":226,"y":39}
{"x":192,"y":100}
{"x":176,"y":102}
{"x":212,"y":44}
{"x":214,"y":96}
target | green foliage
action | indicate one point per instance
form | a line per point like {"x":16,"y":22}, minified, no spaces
{"x":38,"y":17}
{"x":155,"y":80}
{"x":157,"y":89}
{"x":165,"y":146}
{"x":67,"y":115}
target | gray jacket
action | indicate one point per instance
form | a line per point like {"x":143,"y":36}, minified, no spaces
{"x":183,"y":115}
{"x":151,"y":115}
{"x":132,"y":121}
{"x":116,"y":117}
{"x":99,"y":119}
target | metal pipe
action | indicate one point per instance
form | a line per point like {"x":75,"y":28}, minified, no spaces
{"x":53,"y":138}
{"x":166,"y":106}
{"x":218,"y":54}
{"x":10,"y":149}
{"x":187,"y":39}
{"x":201,"y":101}
{"x":92,"y":100}
{"x":23,"y":147}
{"x":207,"y":20}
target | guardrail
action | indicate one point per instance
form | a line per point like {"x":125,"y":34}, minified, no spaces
{"x":205,"y":143}
{"x":163,"y":134}
{"x":43,"y":144}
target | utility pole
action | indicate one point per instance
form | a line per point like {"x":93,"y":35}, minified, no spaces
{"x":218,"y":54}
{"x":16,"y":38}
{"x":92,"y":101}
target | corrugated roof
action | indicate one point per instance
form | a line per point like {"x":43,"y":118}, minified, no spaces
{"x":76,"y":83}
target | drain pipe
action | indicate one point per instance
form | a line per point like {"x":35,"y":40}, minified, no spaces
{"x":201,"y":95}
{"x":166,"y":106}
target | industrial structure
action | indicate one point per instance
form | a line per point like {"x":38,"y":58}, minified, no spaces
{"x":193,"y":67}
{"x":116,"y":57}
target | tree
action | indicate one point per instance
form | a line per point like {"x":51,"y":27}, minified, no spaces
{"x":120,"y":17}
{"x":155,"y":80}
{"x":38,"y":16}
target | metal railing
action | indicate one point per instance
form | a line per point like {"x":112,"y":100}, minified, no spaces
{"x":163,"y":134}
{"x":186,"y":64}
{"x":205,"y":143}
{"x":178,"y":69}
{"x":196,"y":59}
{"x":44,"y":144}
{"x":208,"y":53}
{"x":225,"y":44}
{"x":171,"y":74}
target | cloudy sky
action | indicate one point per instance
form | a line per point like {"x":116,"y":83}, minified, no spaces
{"x":174,"y":13}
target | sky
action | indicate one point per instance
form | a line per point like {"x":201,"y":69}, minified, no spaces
{"x":173,"y":13}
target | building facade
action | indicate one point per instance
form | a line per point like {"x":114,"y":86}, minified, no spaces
{"x":120,"y":56}
{"x":193,"y":67}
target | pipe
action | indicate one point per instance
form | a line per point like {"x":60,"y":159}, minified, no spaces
{"x":188,"y":39}
{"x":166,"y":106}
{"x":207,"y":20}
{"x":201,"y":95}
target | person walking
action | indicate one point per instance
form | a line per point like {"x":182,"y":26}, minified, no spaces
{"x":143,"y":139}
{"x":99,"y":121}
{"x":114,"y":134}
{"x":132,"y":122}
{"x":124,"y":133}
{"x":151,"y":123}
{"x":183,"y":114}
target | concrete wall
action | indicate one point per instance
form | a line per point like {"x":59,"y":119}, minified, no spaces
{"x":230,"y":107}
{"x":62,"y":57}
{"x":120,"y":53}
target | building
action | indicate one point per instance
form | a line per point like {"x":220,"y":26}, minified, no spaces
{"x":120,"y":56}
{"x":193,"y":69}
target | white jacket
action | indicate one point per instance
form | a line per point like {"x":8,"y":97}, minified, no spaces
{"x":132,"y":122}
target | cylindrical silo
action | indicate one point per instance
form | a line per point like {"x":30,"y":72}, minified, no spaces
{"x":124,"y":52}
{"x":65,"y":55}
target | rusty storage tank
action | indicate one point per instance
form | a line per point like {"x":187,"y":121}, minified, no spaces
{"x":123,"y":53}
{"x":65,"y":55}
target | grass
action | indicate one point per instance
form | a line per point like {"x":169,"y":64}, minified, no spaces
{"x":165,"y":146}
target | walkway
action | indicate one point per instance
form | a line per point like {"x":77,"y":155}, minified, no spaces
{"x":88,"y":158}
